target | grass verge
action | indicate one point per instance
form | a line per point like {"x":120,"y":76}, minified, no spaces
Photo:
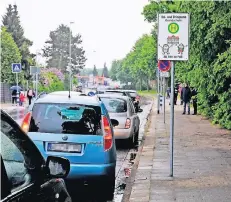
{"x":150,"y":93}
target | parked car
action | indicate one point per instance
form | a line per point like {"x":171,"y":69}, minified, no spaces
{"x":130,"y":93}
{"x":79,"y":130}
{"x":135,"y":97}
{"x":122,"y":109}
{"x":25,"y":176}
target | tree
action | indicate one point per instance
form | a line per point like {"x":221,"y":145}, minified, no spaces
{"x":95,"y":72}
{"x":105,"y":72}
{"x":209,"y":66}
{"x":9,"y":54}
{"x":51,"y":79}
{"x":11,"y":21}
{"x":115,"y":68}
{"x":141,"y":60}
{"x":57,"y":50}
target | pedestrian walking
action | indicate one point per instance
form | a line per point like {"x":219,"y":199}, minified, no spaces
{"x":194,"y":100}
{"x":21,"y":98}
{"x":186,"y":94}
{"x":175,"y":94}
{"x":30,"y":95}
{"x":14,"y":97}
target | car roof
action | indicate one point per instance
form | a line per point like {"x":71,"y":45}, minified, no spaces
{"x":113,"y":95}
{"x":130,"y":91}
{"x":74,"y":99}
{"x":64,"y":93}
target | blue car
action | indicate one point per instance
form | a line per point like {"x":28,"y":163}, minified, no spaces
{"x":79,"y":129}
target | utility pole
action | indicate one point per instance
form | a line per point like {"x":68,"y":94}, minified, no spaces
{"x":70,"y":62}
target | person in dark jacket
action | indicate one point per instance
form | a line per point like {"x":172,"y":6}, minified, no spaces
{"x":30,"y":95}
{"x":186,"y":95}
{"x":14,"y":97}
{"x":175,"y":94}
{"x":194,"y":100}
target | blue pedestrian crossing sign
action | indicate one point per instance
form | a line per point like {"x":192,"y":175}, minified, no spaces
{"x":16,"y":67}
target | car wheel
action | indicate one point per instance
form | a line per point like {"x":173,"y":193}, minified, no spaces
{"x":107,"y":193}
{"x":131,"y":141}
{"x":136,"y":139}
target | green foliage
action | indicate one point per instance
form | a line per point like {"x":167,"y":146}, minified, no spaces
{"x":55,"y":84}
{"x":11,"y":21}
{"x":9,"y":54}
{"x":141,"y":60}
{"x":209,"y":68}
{"x":57,"y":50}
{"x":120,"y":73}
{"x":115,"y":68}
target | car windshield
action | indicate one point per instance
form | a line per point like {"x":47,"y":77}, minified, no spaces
{"x":66,"y":118}
{"x":115,"y":105}
{"x":114,"y":92}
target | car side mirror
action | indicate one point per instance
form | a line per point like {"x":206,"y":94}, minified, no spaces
{"x":59,"y":167}
{"x":114,"y":122}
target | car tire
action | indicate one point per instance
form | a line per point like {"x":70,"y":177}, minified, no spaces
{"x":132,"y":141}
{"x":107,"y":193}
{"x":136,"y":139}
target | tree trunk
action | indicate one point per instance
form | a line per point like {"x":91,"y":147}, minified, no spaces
{"x":148,"y":84}
{"x":140,"y":84}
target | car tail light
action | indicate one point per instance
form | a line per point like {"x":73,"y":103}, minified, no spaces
{"x":108,"y":140}
{"x":26,"y":123}
{"x":128,"y":123}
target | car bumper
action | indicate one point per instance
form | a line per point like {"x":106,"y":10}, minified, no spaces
{"x":122,"y":133}
{"x":78,"y":171}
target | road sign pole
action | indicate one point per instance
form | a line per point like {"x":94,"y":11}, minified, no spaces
{"x":17,"y":98}
{"x":36,"y":84}
{"x":164,"y":98}
{"x":172,"y":120}
{"x":158,"y":102}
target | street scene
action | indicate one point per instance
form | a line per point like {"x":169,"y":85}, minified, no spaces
{"x":120,"y":101}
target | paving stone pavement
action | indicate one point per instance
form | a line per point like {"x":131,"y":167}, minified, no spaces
{"x":202,"y":161}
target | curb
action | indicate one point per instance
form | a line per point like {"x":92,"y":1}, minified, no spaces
{"x":131,"y":179}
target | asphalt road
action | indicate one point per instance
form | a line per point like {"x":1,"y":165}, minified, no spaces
{"x":124,"y":156}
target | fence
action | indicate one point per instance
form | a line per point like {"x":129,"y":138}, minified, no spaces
{"x":5,"y":93}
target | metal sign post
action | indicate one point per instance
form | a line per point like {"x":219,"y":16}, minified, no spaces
{"x":35,"y":71}
{"x":172,"y":120}
{"x":173,"y":45}
{"x":164,"y":98}
{"x":36,"y":84}
{"x":164,"y":75}
{"x":16,"y":68}
{"x":158,"y":90}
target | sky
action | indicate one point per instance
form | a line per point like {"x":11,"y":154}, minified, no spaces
{"x":109,"y":28}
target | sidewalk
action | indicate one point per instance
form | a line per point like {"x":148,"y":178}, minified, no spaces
{"x":10,"y":109}
{"x":202,"y":161}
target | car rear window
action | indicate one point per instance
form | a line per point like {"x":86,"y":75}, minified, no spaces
{"x":66,"y":118}
{"x":132,"y":94}
{"x":115,"y":105}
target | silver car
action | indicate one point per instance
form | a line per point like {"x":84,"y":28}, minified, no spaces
{"x":122,"y":109}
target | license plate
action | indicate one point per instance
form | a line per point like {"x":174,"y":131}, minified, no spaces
{"x":59,"y":147}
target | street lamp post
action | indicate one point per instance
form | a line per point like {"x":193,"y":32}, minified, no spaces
{"x":70,"y":64}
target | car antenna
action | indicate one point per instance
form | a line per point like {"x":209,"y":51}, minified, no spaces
{"x":69,"y":96}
